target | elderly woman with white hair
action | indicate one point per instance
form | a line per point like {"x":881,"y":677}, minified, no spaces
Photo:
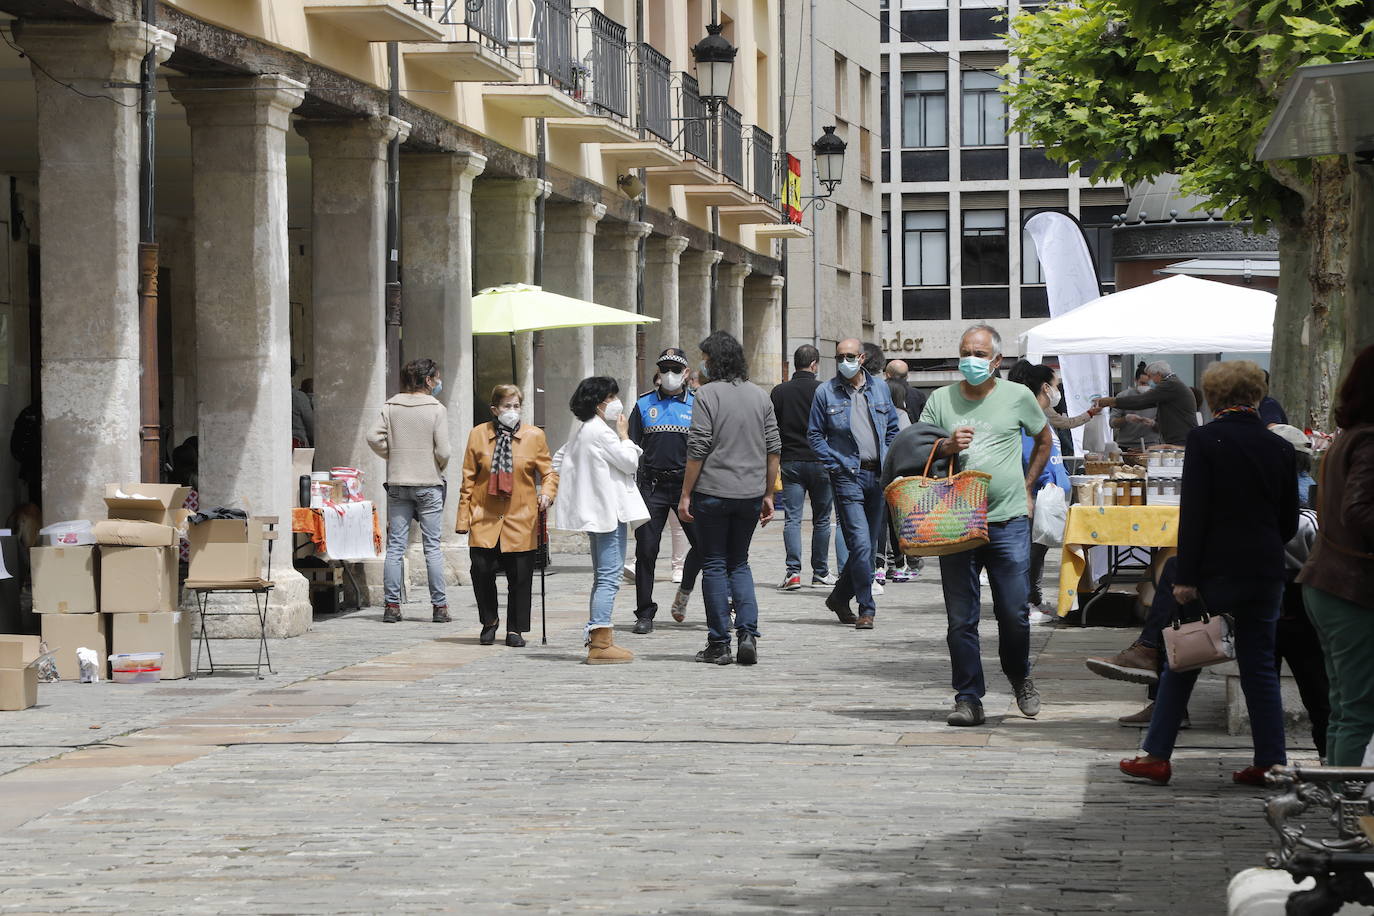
{"x":1174,"y":402}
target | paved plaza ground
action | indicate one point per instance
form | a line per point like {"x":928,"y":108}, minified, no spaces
{"x":406,"y":769}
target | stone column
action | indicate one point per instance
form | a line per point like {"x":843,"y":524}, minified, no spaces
{"x":436,"y":287}
{"x":242,"y":307}
{"x":763,"y":329}
{"x":661,"y":296}
{"x":617,"y":267}
{"x":503,"y":213}
{"x":694,"y":299}
{"x":729,"y":314}
{"x":88,"y":152}
{"x":348,"y":238}
{"x":569,"y":240}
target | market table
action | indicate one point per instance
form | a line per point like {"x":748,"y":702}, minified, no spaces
{"x":1113,"y":527}
{"x":311,"y":522}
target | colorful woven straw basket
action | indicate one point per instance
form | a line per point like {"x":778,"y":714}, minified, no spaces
{"x":933,"y":516}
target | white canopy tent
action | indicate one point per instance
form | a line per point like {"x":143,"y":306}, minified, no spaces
{"x":1178,"y":315}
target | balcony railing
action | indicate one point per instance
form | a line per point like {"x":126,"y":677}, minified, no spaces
{"x":697,"y":134}
{"x":761,"y":151}
{"x":731,"y":144}
{"x":610,"y":64}
{"x":489,"y":21}
{"x":553,"y":38}
{"x":655,"y":93}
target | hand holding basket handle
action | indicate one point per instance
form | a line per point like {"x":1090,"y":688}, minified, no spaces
{"x":934,"y":516}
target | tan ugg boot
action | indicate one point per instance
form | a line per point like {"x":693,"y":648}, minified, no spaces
{"x":602,"y":650}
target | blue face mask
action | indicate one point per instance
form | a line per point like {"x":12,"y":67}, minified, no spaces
{"x":975,"y":369}
{"x":438,"y":387}
{"x":848,"y":367}
{"x":701,"y":371}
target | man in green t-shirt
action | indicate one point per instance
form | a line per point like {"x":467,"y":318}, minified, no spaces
{"x":986,"y":416}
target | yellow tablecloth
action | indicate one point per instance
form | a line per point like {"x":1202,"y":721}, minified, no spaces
{"x":1121,"y":526}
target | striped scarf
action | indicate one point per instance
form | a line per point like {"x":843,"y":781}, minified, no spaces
{"x":502,"y":461}
{"x":1239,"y":409}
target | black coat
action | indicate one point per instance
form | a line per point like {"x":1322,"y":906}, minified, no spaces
{"x":1239,"y":504}
{"x":792,"y":405}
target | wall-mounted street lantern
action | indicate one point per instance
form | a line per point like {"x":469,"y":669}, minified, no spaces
{"x":715,"y":58}
{"x":829,"y":151}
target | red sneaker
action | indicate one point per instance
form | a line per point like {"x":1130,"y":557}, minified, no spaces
{"x":1251,"y":776}
{"x":1157,"y":771}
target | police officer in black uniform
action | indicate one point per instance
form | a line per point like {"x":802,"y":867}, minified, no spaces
{"x":658,"y":425}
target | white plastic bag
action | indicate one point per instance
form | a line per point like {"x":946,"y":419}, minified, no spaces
{"x":1051,"y":515}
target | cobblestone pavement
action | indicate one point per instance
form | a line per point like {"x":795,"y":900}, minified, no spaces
{"x":404,"y":768}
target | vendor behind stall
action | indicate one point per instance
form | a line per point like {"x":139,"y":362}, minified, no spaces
{"x":1176,"y":407}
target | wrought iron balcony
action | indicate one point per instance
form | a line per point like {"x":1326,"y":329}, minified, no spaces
{"x":610,"y":63}
{"x":698,"y":134}
{"x":655,"y":93}
{"x":761,"y":151}
{"x":488,"y":21}
{"x":553,"y":38}
{"x":731,"y":144}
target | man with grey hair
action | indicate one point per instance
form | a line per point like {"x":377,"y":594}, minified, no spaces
{"x":1176,"y":408}
{"x":986,"y":417}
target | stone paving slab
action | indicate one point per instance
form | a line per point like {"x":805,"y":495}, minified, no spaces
{"x":404,"y":769}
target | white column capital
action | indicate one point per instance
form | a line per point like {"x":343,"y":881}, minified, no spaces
{"x":267,"y":100}
{"x":777,"y":281}
{"x":441,"y":172}
{"x":79,"y":51}
{"x":363,"y":138}
{"x":519,"y":191}
{"x":668,"y":250}
{"x":735,"y":274}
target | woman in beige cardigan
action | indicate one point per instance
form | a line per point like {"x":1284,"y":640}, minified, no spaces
{"x":412,"y":435}
{"x":508,"y":480}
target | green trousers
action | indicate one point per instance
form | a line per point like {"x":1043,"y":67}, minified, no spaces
{"x":1346,"y":631}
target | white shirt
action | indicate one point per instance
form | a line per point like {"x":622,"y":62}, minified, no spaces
{"x":596,"y":480}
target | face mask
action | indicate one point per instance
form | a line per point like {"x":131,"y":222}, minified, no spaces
{"x":1144,"y":388}
{"x":509,"y":418}
{"x":848,"y":367}
{"x":612,"y":411}
{"x":702,"y":373}
{"x":671,"y":381}
{"x":438,"y":387}
{"x":1055,"y":396}
{"x":975,"y":369}
{"x":1154,"y":384}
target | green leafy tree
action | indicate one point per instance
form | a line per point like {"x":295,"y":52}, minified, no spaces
{"x":1145,"y":87}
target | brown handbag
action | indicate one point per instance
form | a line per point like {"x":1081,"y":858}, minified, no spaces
{"x":1200,"y":643}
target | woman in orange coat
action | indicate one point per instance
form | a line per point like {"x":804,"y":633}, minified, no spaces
{"x":508,"y":480}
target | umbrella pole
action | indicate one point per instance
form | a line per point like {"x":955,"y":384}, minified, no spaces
{"x":514,"y":378}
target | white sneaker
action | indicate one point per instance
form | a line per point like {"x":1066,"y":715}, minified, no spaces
{"x":877,"y":587}
{"x":790,"y":582}
{"x":880,"y":576}
{"x":1040,"y":618}
{"x":826,"y":581}
{"x":677,"y":576}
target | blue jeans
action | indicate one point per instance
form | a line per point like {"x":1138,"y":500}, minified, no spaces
{"x":859,"y":506}
{"x":426,"y":505}
{"x":608,"y":558}
{"x":1254,"y":606}
{"x":725,"y":527}
{"x":799,"y":480}
{"x":1006,"y":557}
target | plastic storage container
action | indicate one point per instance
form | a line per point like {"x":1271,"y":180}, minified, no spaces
{"x":68,"y":534}
{"x":136,"y":668}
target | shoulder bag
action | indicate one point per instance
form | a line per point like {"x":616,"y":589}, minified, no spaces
{"x":1199,"y":643}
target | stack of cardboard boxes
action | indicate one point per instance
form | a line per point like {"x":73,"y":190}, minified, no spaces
{"x":66,"y":596}
{"x":18,"y":672}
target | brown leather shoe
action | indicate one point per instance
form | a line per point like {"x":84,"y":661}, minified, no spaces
{"x":1138,"y":664}
{"x":1142,"y":719}
{"x":864,"y":623}
{"x":441,"y":614}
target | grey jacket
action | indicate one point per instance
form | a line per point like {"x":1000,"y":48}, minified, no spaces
{"x":411,"y":433}
{"x":733,"y":432}
{"x":907,"y":455}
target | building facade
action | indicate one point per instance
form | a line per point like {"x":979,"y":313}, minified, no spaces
{"x":957,"y":186}
{"x":524,"y":128}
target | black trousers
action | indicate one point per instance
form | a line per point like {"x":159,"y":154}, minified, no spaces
{"x":519,"y":569}
{"x":661,"y":497}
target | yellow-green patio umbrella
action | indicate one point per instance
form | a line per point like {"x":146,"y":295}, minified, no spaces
{"x":518,"y":307}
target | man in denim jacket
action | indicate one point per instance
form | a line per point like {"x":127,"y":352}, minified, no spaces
{"x":853,"y":421}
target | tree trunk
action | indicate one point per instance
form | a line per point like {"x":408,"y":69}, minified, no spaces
{"x":1310,"y":323}
{"x":1359,"y":325}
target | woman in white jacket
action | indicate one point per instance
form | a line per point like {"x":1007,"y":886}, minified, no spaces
{"x":596,"y":470}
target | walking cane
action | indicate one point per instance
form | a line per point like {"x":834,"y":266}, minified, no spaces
{"x":543,"y":563}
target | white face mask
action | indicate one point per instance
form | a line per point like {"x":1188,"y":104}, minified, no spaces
{"x":612,"y":411}
{"x":1055,"y":396}
{"x":509,"y":417}
{"x":671,"y":381}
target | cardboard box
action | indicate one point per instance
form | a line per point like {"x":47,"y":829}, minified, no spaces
{"x":225,"y":550}
{"x":18,"y":688}
{"x":64,"y":580}
{"x":126,"y":533}
{"x":65,"y":633}
{"x":168,"y":633}
{"x":159,"y":503}
{"x":138,"y":580}
{"x":18,"y":651}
